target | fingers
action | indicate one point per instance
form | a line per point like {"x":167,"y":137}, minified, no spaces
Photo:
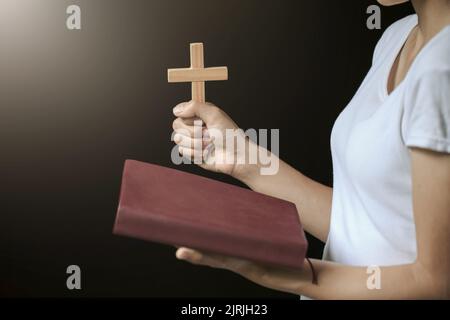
{"x":187,"y":254}
{"x":199,"y":156}
{"x":187,"y":128}
{"x":282,"y":279}
{"x":199,"y":258}
{"x":244,"y":267}
{"x":188,"y":142}
{"x":192,"y":140}
{"x":191,"y":153}
{"x":190,"y":121}
{"x":205,"y":111}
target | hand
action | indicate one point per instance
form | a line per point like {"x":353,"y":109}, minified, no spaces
{"x":209,"y":146}
{"x":277,"y":278}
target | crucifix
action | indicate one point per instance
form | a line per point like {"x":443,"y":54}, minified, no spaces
{"x":197,"y":74}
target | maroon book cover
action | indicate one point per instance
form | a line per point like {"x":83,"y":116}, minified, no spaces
{"x":177,"y":208}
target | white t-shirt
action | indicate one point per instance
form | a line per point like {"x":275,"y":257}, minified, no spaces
{"x":372,"y":220}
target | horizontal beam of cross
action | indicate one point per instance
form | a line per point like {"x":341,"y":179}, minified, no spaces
{"x":197,"y":74}
{"x":192,"y":75}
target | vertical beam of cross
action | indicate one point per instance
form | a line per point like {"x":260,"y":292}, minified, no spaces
{"x":197,"y":62}
{"x":197,"y":74}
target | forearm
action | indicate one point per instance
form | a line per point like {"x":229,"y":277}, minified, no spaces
{"x":312,"y":199}
{"x":337,"y":281}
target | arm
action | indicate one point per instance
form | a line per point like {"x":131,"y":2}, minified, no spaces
{"x":313,"y":200}
{"x":427,"y":277}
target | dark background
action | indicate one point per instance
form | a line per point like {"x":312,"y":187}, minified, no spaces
{"x":75,"y":104}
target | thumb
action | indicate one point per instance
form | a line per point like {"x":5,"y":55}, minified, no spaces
{"x":204,"y":111}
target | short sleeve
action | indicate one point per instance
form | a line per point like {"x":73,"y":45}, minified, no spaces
{"x":426,"y":122}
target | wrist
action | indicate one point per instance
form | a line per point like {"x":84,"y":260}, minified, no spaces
{"x":306,"y":278}
{"x":246,"y":170}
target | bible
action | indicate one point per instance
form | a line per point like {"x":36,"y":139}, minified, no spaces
{"x":176,"y":208}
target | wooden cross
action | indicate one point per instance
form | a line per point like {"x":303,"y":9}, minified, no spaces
{"x":197,"y":74}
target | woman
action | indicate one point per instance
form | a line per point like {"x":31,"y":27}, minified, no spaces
{"x":390,"y":202}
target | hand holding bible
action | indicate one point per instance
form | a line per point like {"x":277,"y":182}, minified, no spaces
{"x":273,"y":277}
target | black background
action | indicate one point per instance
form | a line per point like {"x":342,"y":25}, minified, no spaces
{"x":75,"y":104}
